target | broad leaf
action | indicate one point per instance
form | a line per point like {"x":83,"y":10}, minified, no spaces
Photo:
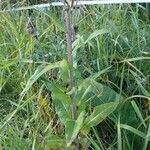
{"x":87,"y":89}
{"x":96,"y":92}
{"x":62,"y":101}
{"x":57,"y":91}
{"x":99,"y":114}
{"x":63,"y":110}
{"x":108,"y":95}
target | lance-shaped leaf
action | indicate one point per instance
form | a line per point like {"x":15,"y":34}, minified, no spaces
{"x":95,"y":34}
{"x":73,"y":128}
{"x":38,"y":73}
{"x":133,"y":130}
{"x":99,"y":114}
{"x":55,"y":142}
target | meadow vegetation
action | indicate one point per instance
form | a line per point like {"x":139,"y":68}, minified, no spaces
{"x":111,"y":52}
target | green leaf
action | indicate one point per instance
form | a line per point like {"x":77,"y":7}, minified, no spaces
{"x":133,"y":130}
{"x":57,"y":91}
{"x":135,"y":59}
{"x":62,"y":101}
{"x":100,"y":113}
{"x":147,"y":138}
{"x":54,"y":141}
{"x":73,"y":128}
{"x":107,"y":95}
{"x":95,"y":34}
{"x":88,"y":88}
{"x":63,"y":110}
{"x":97,"y":93}
{"x":79,"y":42}
{"x":119,"y":134}
{"x":38,"y":73}
{"x":98,"y":74}
{"x":143,"y":90}
{"x":138,"y":112}
{"x":55,"y":20}
{"x":64,"y":72}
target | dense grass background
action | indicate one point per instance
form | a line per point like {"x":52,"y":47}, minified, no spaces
{"x":122,"y":54}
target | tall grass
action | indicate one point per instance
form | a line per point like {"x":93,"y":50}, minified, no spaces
{"x":122,"y":55}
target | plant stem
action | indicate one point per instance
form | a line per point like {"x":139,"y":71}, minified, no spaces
{"x":69,"y":44}
{"x":69,"y":38}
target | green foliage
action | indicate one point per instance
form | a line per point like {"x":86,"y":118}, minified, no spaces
{"x":111,"y":71}
{"x":100,"y":113}
{"x":54,"y":141}
{"x":73,"y":128}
